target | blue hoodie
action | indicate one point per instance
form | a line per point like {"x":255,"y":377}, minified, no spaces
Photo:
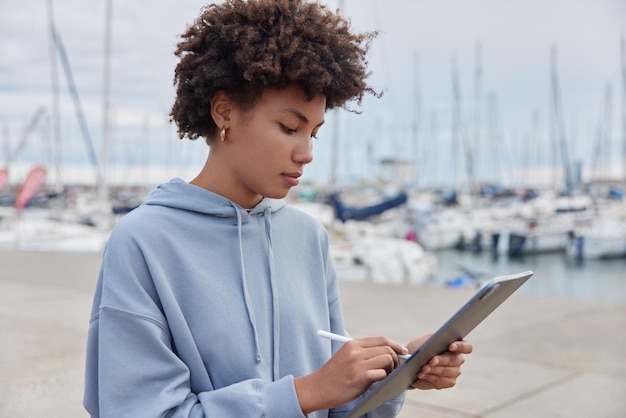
{"x":205,"y":309}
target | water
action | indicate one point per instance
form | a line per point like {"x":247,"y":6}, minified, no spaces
{"x":556,"y":275}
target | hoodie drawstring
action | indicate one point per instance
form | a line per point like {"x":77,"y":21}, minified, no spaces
{"x":267,"y":213}
{"x":246,"y":294}
{"x":275,"y":304}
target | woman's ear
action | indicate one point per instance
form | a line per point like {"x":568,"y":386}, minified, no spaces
{"x":220,"y":109}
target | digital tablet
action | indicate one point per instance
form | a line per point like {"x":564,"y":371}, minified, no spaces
{"x":485,"y":301}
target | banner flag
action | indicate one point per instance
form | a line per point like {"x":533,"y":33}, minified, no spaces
{"x":29,"y":188}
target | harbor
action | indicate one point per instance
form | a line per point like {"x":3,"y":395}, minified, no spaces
{"x":494,"y":143}
{"x":404,"y":241}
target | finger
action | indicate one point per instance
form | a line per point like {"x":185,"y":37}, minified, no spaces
{"x":371,"y":355}
{"x":422,"y":384}
{"x":435,"y":382}
{"x":375,"y":375}
{"x":462,"y":347}
{"x":444,"y":372}
{"x":384,"y":362}
{"x":443,"y":369}
{"x":374,"y":350}
{"x":447,"y":360}
{"x":385,"y":352}
{"x":382,"y":341}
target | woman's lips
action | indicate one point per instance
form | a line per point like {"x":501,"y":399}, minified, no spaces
{"x":292,"y":178}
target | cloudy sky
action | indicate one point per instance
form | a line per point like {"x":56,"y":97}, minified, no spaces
{"x":423,"y":49}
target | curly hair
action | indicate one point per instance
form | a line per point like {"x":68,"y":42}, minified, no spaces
{"x":243,"y":47}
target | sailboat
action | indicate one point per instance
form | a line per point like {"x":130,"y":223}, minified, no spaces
{"x":365,"y":243}
{"x":362,"y":213}
{"x":35,"y":230}
{"x":47,"y":229}
{"x":605,"y":236}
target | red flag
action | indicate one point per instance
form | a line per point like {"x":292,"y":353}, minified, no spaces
{"x":29,"y":188}
{"x":4,"y":178}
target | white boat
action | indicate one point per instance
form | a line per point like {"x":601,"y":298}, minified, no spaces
{"x":534,"y":235}
{"x":373,"y":250}
{"x":446,"y":231}
{"x":438,"y":228}
{"x":41,"y":233}
{"x":383,"y":260}
{"x":604,"y":238}
{"x":542,"y":225}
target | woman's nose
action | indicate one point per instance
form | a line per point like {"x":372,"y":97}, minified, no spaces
{"x":304,"y":152}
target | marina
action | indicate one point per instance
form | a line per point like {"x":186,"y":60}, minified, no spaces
{"x":494,"y":149}
{"x":392,"y":246}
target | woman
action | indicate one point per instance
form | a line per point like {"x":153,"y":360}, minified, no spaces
{"x":211,"y":292}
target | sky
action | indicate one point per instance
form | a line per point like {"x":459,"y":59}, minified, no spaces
{"x":435,"y":112}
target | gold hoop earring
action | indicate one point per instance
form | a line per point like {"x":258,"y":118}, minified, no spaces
{"x":223,"y":134}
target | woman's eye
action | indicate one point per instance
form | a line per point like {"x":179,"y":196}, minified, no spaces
{"x":288,"y":129}
{"x":291,"y":131}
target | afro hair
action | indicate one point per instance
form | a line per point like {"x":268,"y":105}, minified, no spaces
{"x":243,"y":47}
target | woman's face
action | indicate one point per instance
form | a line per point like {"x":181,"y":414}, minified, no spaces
{"x":268,"y":146}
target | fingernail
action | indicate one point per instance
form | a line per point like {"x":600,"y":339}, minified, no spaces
{"x":454,"y":346}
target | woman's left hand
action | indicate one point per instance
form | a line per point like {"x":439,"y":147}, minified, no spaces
{"x":443,"y":370}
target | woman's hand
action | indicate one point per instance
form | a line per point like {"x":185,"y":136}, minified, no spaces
{"x":348,"y":373}
{"x":443,"y":370}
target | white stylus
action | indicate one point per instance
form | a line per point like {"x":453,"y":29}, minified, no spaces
{"x":344,"y":339}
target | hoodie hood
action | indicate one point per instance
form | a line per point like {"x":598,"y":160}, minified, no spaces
{"x":179,"y":194}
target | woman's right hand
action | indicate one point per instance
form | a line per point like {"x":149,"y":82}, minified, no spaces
{"x":353,"y":368}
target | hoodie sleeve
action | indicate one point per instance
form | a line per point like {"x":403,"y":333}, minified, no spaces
{"x":134,"y":369}
{"x":139,"y":375}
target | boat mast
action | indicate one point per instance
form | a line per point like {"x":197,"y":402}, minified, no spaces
{"x":103,"y":186}
{"x":495,"y":143}
{"x":558,"y":127}
{"x":54,"y":74}
{"x":623,"y":72}
{"x":335,"y":140}
{"x":80,"y":114}
{"x":416,"y":119}
{"x":456,"y":116}
{"x":601,"y":152}
{"x":478,"y":76}
{"x":608,"y":108}
{"x":534,"y":148}
{"x":459,"y":133}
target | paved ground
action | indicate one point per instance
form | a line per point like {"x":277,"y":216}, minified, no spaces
{"x":534,"y":357}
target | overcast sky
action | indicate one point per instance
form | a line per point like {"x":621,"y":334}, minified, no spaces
{"x":411,"y":60}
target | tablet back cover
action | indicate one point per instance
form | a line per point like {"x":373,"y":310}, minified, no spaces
{"x":485,"y":301}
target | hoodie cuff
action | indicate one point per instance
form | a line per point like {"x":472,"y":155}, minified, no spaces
{"x":281,"y":399}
